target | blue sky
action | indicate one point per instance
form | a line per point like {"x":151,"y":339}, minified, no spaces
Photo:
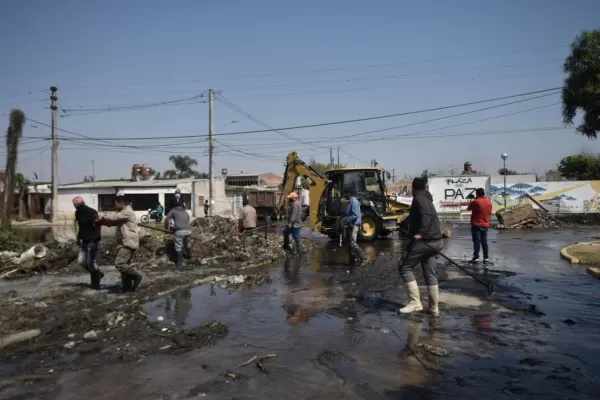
{"x":289,"y":64}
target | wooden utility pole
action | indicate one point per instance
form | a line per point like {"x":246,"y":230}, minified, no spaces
{"x":393,"y":175}
{"x":211,"y":153}
{"x":53,"y":109}
{"x":338,"y":155}
{"x":331,"y":159}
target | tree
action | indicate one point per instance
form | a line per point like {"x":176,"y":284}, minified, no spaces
{"x":13,"y":136}
{"x":322,"y":168}
{"x":183,"y":168}
{"x":581,"y":89}
{"x":506,"y":171}
{"x":580,"y":167}
{"x":89,"y":179}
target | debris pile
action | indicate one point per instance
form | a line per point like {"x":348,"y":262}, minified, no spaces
{"x":54,"y":256}
{"x":524,"y":216}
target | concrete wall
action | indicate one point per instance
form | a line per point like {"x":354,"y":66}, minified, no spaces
{"x":222,"y":205}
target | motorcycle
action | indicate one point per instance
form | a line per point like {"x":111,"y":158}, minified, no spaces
{"x":151,"y":215}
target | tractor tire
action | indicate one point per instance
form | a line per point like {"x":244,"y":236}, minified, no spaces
{"x":369,"y":229}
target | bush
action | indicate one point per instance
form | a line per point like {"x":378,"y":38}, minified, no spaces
{"x":12,"y":240}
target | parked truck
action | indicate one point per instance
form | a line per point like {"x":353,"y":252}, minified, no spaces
{"x":264,"y":201}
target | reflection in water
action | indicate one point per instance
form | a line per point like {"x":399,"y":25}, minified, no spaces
{"x":183,"y":305}
{"x":179,"y":305}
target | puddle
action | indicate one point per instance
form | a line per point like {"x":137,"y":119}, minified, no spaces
{"x":330,"y":346}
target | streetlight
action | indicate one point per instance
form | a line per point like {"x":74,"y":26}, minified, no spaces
{"x":504,"y":156}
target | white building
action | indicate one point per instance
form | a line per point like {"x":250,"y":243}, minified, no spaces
{"x":143,"y":195}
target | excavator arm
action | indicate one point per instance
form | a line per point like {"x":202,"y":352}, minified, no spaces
{"x":295,"y":167}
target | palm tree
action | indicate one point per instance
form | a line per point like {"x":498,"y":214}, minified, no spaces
{"x":13,"y":136}
{"x":183,"y":168}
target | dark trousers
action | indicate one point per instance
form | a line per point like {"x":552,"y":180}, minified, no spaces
{"x":295,"y":232}
{"x":479,"y":240}
{"x":416,"y":253}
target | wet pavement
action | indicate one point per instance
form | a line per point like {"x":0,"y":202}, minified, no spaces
{"x":538,"y":336}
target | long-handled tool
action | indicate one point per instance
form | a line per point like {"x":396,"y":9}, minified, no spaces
{"x":488,"y":285}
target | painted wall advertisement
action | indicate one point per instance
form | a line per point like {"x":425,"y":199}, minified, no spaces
{"x":555,"y":197}
{"x":452,"y":194}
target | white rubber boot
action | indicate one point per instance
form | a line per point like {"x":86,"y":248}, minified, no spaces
{"x":412,"y":288}
{"x":434,"y":296}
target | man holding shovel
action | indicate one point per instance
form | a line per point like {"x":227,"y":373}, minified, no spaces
{"x":425,"y":243}
{"x":178,"y":220}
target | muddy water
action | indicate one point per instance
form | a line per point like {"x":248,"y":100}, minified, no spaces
{"x":329,"y":346}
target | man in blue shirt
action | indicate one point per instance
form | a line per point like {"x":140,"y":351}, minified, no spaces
{"x":352,"y":223}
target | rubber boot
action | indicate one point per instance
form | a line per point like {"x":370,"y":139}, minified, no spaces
{"x":126,"y":282}
{"x":95,"y":278}
{"x":414,"y":304}
{"x":434,"y":296}
{"x":187,"y":253}
{"x":179,"y":256}
{"x":137,"y":279}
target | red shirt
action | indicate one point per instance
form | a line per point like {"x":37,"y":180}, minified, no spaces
{"x":481,"y":209}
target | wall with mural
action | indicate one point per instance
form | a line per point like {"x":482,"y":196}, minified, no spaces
{"x":556,"y":197}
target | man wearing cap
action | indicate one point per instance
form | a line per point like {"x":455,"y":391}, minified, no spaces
{"x":294,"y":224}
{"x":88,"y":237}
{"x":128,"y":241}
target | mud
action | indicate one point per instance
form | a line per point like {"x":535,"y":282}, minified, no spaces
{"x":334,"y":329}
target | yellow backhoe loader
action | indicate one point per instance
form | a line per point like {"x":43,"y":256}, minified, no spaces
{"x":380,"y":216}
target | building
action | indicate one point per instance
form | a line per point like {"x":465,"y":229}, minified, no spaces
{"x":143,"y":195}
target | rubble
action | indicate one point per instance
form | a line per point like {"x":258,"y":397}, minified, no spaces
{"x":215,"y":242}
{"x":526,"y":217}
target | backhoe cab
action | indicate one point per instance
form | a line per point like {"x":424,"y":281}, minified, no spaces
{"x":369,"y":183}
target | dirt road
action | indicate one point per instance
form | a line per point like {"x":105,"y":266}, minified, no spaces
{"x":538,"y":336}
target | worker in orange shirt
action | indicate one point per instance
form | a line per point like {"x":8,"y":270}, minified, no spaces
{"x":481,"y":209}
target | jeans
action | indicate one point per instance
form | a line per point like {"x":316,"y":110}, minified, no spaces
{"x":87,"y":256}
{"x":355,"y":250}
{"x":181,"y":240}
{"x":416,"y":253}
{"x":479,"y":240}
{"x":295,"y":232}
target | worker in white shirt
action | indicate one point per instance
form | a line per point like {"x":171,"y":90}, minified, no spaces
{"x":304,"y":202}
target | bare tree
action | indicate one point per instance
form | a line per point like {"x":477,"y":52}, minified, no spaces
{"x":13,"y":136}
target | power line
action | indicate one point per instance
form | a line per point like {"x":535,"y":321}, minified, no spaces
{"x":323,"y":70}
{"x":324,"y":123}
{"x":237,"y":109}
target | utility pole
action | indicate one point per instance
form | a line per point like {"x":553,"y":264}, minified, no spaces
{"x":331,"y":159}
{"x":338,"y":155}
{"x":211,"y":153}
{"x":53,"y":109}
{"x":393,"y":175}
{"x":93,"y":171}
